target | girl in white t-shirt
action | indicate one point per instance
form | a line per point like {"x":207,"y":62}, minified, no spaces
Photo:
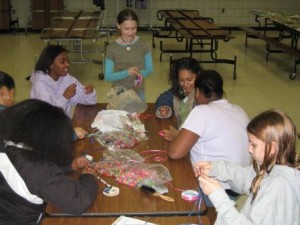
{"x":215,"y":129}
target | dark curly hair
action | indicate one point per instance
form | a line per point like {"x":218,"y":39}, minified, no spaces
{"x":43,"y":127}
{"x":178,"y":65}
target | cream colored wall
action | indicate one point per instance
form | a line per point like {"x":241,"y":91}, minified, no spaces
{"x":225,"y":12}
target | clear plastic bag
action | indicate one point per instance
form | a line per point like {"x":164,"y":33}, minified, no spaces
{"x":118,"y":129}
{"x":109,"y":120}
{"x":124,"y":155}
{"x":111,"y":168}
{"x":128,"y":167}
{"x":121,"y":98}
{"x":116,"y":161}
{"x":157,"y":173}
{"x":119,"y":139}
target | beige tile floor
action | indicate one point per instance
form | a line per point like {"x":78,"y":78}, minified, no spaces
{"x":260,"y":85}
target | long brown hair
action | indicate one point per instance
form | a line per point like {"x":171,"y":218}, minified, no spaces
{"x":273,"y":126}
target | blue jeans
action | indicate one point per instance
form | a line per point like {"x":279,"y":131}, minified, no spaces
{"x":141,"y":94}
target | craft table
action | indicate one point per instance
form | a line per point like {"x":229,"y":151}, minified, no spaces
{"x":164,"y":220}
{"x":198,"y":32}
{"x":131,"y":201}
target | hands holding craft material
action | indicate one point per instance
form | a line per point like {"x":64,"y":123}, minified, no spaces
{"x":88,"y":89}
{"x":208,"y":184}
{"x":134,"y":71}
{"x":71,"y":90}
{"x":169,"y":134}
{"x":84,"y":162}
{"x":80,"y":132}
{"x":80,"y":163}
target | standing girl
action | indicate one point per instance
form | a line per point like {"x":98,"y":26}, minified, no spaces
{"x":272,"y":184}
{"x":128,"y":58}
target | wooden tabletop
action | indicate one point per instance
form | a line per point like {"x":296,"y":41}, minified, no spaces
{"x":131,"y":201}
{"x":163,"y":220}
{"x":71,"y":25}
{"x":191,"y":25}
{"x":177,"y":13}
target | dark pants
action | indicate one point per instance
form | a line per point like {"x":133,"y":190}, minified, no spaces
{"x":231,"y":194}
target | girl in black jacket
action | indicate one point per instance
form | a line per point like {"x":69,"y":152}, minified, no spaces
{"x":35,"y":144}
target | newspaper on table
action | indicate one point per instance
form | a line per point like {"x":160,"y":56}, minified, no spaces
{"x":124,"y":220}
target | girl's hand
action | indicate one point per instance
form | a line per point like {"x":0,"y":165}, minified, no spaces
{"x":202,"y":168}
{"x":164,"y":111}
{"x":90,"y":170}
{"x":134,"y":71}
{"x":170,"y":134}
{"x":80,"y":132}
{"x":80,"y":163}
{"x":208,"y":185}
{"x":88,"y":89}
{"x":70,"y":91}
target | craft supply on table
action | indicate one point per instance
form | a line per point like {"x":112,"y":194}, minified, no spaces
{"x":88,"y":157}
{"x":116,"y":161}
{"x":158,"y":187}
{"x":152,"y":191}
{"x":118,"y":129}
{"x":190,"y":195}
{"x":155,"y":155}
{"x":161,"y":189}
{"x":121,"y":98}
{"x":89,"y":135}
{"x":158,"y":173}
{"x":144,"y":116}
{"x":109,"y":190}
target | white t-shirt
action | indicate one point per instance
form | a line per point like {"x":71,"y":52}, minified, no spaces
{"x":222,"y":128}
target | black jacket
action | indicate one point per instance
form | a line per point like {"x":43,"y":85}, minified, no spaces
{"x":47,"y":182}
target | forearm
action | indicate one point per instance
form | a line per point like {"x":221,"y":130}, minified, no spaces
{"x":83,"y":98}
{"x":227,"y":212}
{"x":148,"y":65}
{"x":74,"y":197}
{"x":110,"y":75}
{"x":239,"y":178}
{"x":182,"y":144}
